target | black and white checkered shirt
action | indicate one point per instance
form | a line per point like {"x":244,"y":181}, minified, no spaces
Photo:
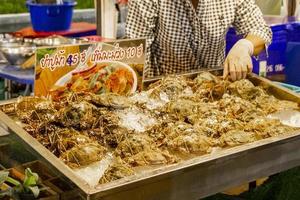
{"x":182,"y":39}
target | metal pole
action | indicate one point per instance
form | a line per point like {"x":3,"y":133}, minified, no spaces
{"x":98,"y":6}
{"x":291,"y":6}
{"x":8,"y":89}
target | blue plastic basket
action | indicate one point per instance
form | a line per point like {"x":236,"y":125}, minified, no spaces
{"x":51,"y":17}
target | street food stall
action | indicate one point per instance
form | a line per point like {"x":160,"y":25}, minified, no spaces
{"x":97,"y":129}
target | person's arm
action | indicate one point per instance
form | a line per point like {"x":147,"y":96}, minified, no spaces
{"x":250,"y":23}
{"x":258,"y":43}
{"x":141,"y":23}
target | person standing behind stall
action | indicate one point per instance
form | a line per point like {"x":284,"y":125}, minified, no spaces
{"x":187,"y":35}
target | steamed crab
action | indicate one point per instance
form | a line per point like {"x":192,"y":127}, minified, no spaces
{"x":61,"y":140}
{"x":28,"y":103}
{"x":245,"y":89}
{"x":34,"y":109}
{"x":151,"y":157}
{"x":185,"y":138}
{"x":110,"y":136}
{"x":79,"y":115}
{"x":111,"y":100}
{"x":171,"y":86}
{"x":239,"y":108}
{"x":134,"y":144}
{"x":237,"y":137}
{"x":200,"y":111}
{"x":117,"y":170}
{"x":205,"y":77}
{"x":140,"y":150}
{"x":209,"y":87}
{"x":107,"y":129}
{"x":44,"y":111}
{"x":159,"y":132}
{"x":194,"y":143}
{"x":266,"y":128}
{"x":174,"y":130}
{"x":216,"y":126}
{"x":83,"y":154}
{"x":183,"y":107}
{"x":269,"y":104}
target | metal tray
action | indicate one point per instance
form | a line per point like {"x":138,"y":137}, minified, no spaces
{"x":192,"y":179}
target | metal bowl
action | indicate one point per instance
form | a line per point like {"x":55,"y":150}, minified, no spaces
{"x":17,"y":53}
{"x":58,"y":40}
{"x":7,"y":38}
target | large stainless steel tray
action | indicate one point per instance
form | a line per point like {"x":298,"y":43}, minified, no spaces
{"x":192,"y":179}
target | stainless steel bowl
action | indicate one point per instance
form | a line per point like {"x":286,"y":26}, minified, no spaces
{"x":17,"y":53}
{"x":17,"y":50}
{"x":58,"y":40}
{"x":7,"y":38}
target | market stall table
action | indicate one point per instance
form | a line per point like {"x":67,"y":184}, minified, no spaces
{"x":192,"y":179}
{"x":13,"y":73}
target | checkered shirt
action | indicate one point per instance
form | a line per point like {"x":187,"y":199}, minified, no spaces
{"x":183,"y":39}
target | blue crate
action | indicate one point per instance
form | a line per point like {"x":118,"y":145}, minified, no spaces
{"x":292,"y":70}
{"x":294,"y":32}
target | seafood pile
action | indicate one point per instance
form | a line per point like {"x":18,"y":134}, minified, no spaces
{"x":175,"y":119}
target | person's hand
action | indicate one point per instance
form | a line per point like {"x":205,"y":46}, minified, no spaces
{"x":238,"y":62}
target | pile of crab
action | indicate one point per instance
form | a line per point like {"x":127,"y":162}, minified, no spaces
{"x":175,"y":119}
